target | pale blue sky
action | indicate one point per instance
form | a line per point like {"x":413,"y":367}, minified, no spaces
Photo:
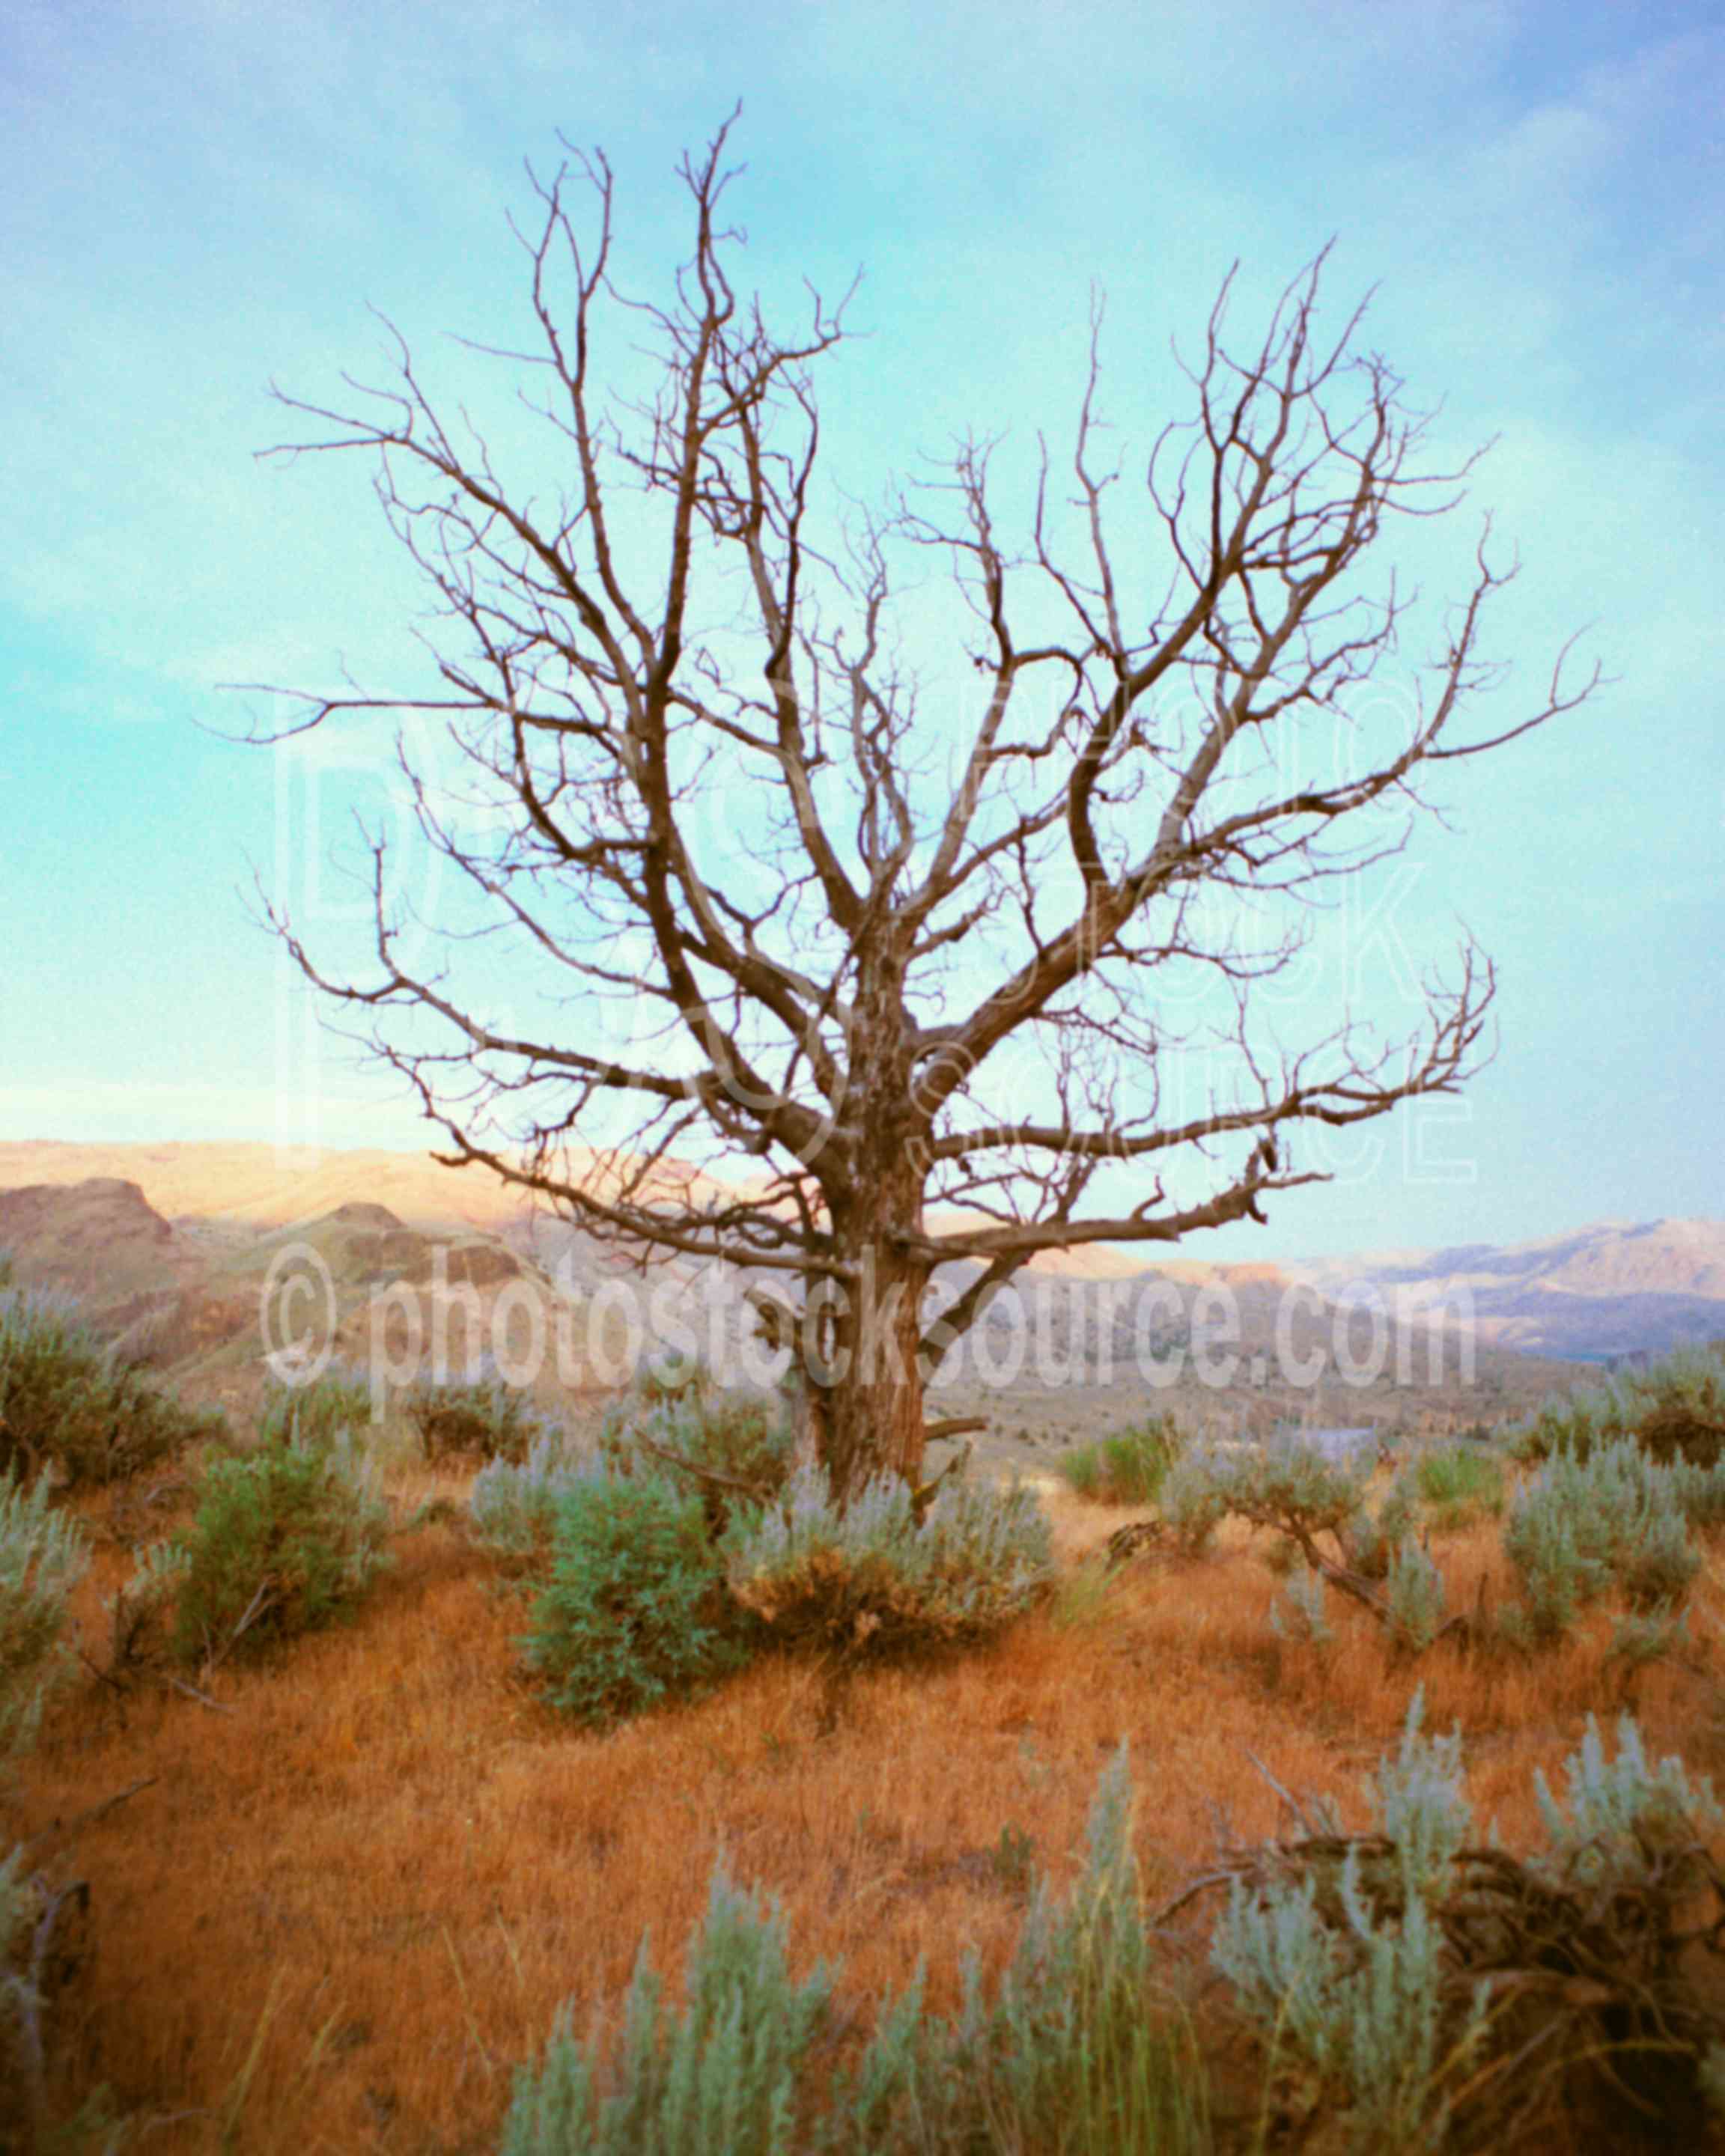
{"x":194,"y":199}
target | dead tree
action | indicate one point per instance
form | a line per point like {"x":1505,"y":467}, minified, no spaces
{"x":681,"y":687}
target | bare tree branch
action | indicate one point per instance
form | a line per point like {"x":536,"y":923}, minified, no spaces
{"x":776,"y":926}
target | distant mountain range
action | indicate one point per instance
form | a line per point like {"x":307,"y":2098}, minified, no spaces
{"x":205,"y":1294}
{"x":1614,"y":1289}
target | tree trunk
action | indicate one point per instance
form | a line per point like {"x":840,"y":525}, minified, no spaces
{"x":871,"y":1405}
{"x":864,"y":1363}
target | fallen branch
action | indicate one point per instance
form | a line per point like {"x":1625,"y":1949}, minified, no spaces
{"x":1136,"y":1538}
{"x":1588,"y":1970}
{"x":102,"y":1675}
{"x":28,"y":1994}
{"x":261,"y":1602}
{"x":1288,"y":1797}
{"x":203,"y":1699}
{"x":90,"y":1814}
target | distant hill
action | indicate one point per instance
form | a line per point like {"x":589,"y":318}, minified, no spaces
{"x":174,"y":1245}
{"x":100,"y":1239}
{"x":195,"y":1297}
{"x":266,"y":1188}
{"x":1613,"y":1289}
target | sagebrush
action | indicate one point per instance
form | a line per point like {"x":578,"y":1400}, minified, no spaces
{"x":285,"y":1539}
{"x":634,"y":1611}
{"x":1072,"y":2051}
{"x":885,"y":1572}
{"x":67,"y":1400}
{"x":43,"y":1554}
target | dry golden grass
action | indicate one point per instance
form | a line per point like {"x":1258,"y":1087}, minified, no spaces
{"x":349,"y":1905}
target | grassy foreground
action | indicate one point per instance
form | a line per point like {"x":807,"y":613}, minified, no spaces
{"x":367,"y":1871}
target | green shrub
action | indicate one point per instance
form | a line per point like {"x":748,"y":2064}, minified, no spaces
{"x":140,"y":1613}
{"x":1297,"y":1491}
{"x":487,"y":1416}
{"x":1622,"y":1815}
{"x":1611,"y":1517}
{"x":634,"y":1612}
{"x":1071,"y":2054}
{"x":739,"y":1446}
{"x":1674,"y":1409}
{"x":513,"y":1503}
{"x":1286,"y":1484}
{"x":719,"y":2078}
{"x":1456,"y":1483}
{"x":66,"y":1399}
{"x":285,"y":1539}
{"x":1127,"y":1468}
{"x":1701,"y":1490}
{"x":337,"y":1399}
{"x":873,"y":1575}
{"x":1371,"y":1539}
{"x":1193,"y":1502}
{"x":1067,"y":2056}
{"x":1415,"y":1597}
{"x":42,"y":1555}
{"x":1346,"y":1968}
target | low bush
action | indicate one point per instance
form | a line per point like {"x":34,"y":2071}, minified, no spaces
{"x":483,"y":1416}
{"x":1612,"y":1517}
{"x":881,"y":1574}
{"x":1193,"y":1502}
{"x":285,"y":1539}
{"x":1298,"y":1491}
{"x":1437,"y":1992}
{"x":1068,"y":2053}
{"x":1414,"y":1597}
{"x":663,"y":1558}
{"x":1371,"y":1539}
{"x":1127,"y":1468}
{"x":513,"y":1503}
{"x":1344,"y":1964}
{"x":1456,"y":1484}
{"x":66,"y":1399}
{"x":314,"y":1415}
{"x":42,"y":1556}
{"x":720,"y":2078}
{"x":1622,"y":1819}
{"x":1673,"y":1409}
{"x":1287,"y":1485}
{"x":140,"y":1613}
{"x":1074,"y":2052}
{"x":634,"y":1612}
{"x":735,"y":1447}
{"x":1303,"y":1494}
